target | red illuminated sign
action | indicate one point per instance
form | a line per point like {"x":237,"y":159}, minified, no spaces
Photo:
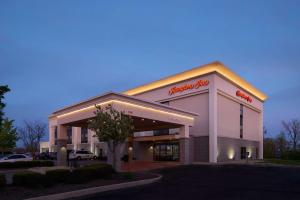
{"x":243,"y":96}
{"x":196,"y":85}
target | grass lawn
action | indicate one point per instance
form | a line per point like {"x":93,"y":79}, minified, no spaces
{"x":282,"y":162}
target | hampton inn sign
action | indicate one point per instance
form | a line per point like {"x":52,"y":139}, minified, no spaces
{"x":212,"y":118}
{"x":196,"y":85}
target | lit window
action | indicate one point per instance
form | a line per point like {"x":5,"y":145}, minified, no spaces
{"x":161,"y":132}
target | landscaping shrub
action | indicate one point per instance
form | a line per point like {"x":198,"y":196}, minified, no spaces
{"x":81,"y":175}
{"x":2,"y":180}
{"x":90,"y":172}
{"x":127,"y":175}
{"x":26,"y":164}
{"x":58,"y":175}
{"x":102,"y":170}
{"x":291,"y":155}
{"x":31,"y":179}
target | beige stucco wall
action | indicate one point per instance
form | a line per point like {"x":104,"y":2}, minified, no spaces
{"x":228,"y":88}
{"x":198,"y":104}
{"x":228,"y":117}
{"x":251,"y":124}
{"x":229,"y":120}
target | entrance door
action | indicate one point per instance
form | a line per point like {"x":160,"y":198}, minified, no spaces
{"x":166,"y":151}
{"x":243,"y":152}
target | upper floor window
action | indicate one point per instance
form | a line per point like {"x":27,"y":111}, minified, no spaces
{"x":69,"y":135}
{"x":84,"y":135}
{"x":161,"y":132}
{"x":241,"y":120}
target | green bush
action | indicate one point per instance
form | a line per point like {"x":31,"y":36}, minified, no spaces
{"x":101,"y":170}
{"x":127,"y":175}
{"x":58,"y":175}
{"x":26,"y":164}
{"x":81,"y":175}
{"x":90,"y":172}
{"x":291,"y":155}
{"x":2,"y":180}
{"x":31,"y":179}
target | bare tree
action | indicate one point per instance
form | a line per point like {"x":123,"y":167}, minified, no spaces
{"x":281,"y":142}
{"x":292,"y":129}
{"x":265,"y":131}
{"x":31,"y":134}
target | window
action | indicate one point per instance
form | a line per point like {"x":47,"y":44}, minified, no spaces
{"x":55,"y":135}
{"x":165,"y":102}
{"x":243,"y":153}
{"x":15,"y":157}
{"x":84,"y":135}
{"x":241,"y":120}
{"x":69,"y":135}
{"x":161,"y":132}
{"x":166,"y":151}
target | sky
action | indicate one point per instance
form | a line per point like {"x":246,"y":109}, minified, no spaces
{"x":55,"y":53}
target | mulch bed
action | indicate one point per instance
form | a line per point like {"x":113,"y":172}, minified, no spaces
{"x":11,"y":192}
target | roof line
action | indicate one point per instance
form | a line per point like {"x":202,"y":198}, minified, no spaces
{"x":125,"y":96}
{"x":216,"y":66}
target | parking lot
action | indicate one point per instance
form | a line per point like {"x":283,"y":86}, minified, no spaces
{"x":217,"y":182}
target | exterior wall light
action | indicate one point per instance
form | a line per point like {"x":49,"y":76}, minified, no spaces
{"x":151,"y":147}
{"x":130,"y":148}
{"x":249,"y":150}
{"x":231,"y":153}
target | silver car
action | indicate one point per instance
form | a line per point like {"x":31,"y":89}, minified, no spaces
{"x":15,"y":158}
{"x":81,"y":155}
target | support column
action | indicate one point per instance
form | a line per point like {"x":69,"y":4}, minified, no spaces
{"x":184,"y":145}
{"x":62,"y":145}
{"x":213,"y":121}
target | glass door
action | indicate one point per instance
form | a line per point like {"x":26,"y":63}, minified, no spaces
{"x":166,"y":151}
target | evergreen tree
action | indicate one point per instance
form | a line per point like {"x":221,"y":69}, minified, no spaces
{"x":8,"y":134}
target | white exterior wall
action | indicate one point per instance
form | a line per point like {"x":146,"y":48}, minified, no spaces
{"x":251,"y":124}
{"x":228,"y":118}
{"x":196,"y":103}
{"x":218,"y":108}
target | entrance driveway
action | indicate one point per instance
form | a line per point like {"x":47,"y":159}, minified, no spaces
{"x":135,"y":165}
{"x":216,"y":182}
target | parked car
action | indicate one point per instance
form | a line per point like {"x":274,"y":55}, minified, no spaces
{"x":81,"y":154}
{"x":43,"y":156}
{"x":16,"y":157}
{"x":53,"y":155}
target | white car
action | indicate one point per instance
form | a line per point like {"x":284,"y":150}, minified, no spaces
{"x":81,"y":155}
{"x":15,"y":158}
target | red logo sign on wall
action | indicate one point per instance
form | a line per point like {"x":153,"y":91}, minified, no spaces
{"x":243,"y":96}
{"x":198,"y":84}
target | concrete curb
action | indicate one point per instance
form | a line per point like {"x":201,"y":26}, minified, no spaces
{"x":95,"y":190}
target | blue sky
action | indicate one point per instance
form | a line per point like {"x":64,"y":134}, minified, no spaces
{"x":54,"y":53}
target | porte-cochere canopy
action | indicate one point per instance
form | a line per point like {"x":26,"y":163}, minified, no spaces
{"x":147,"y":115}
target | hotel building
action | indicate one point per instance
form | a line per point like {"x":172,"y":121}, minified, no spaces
{"x":206,"y":114}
